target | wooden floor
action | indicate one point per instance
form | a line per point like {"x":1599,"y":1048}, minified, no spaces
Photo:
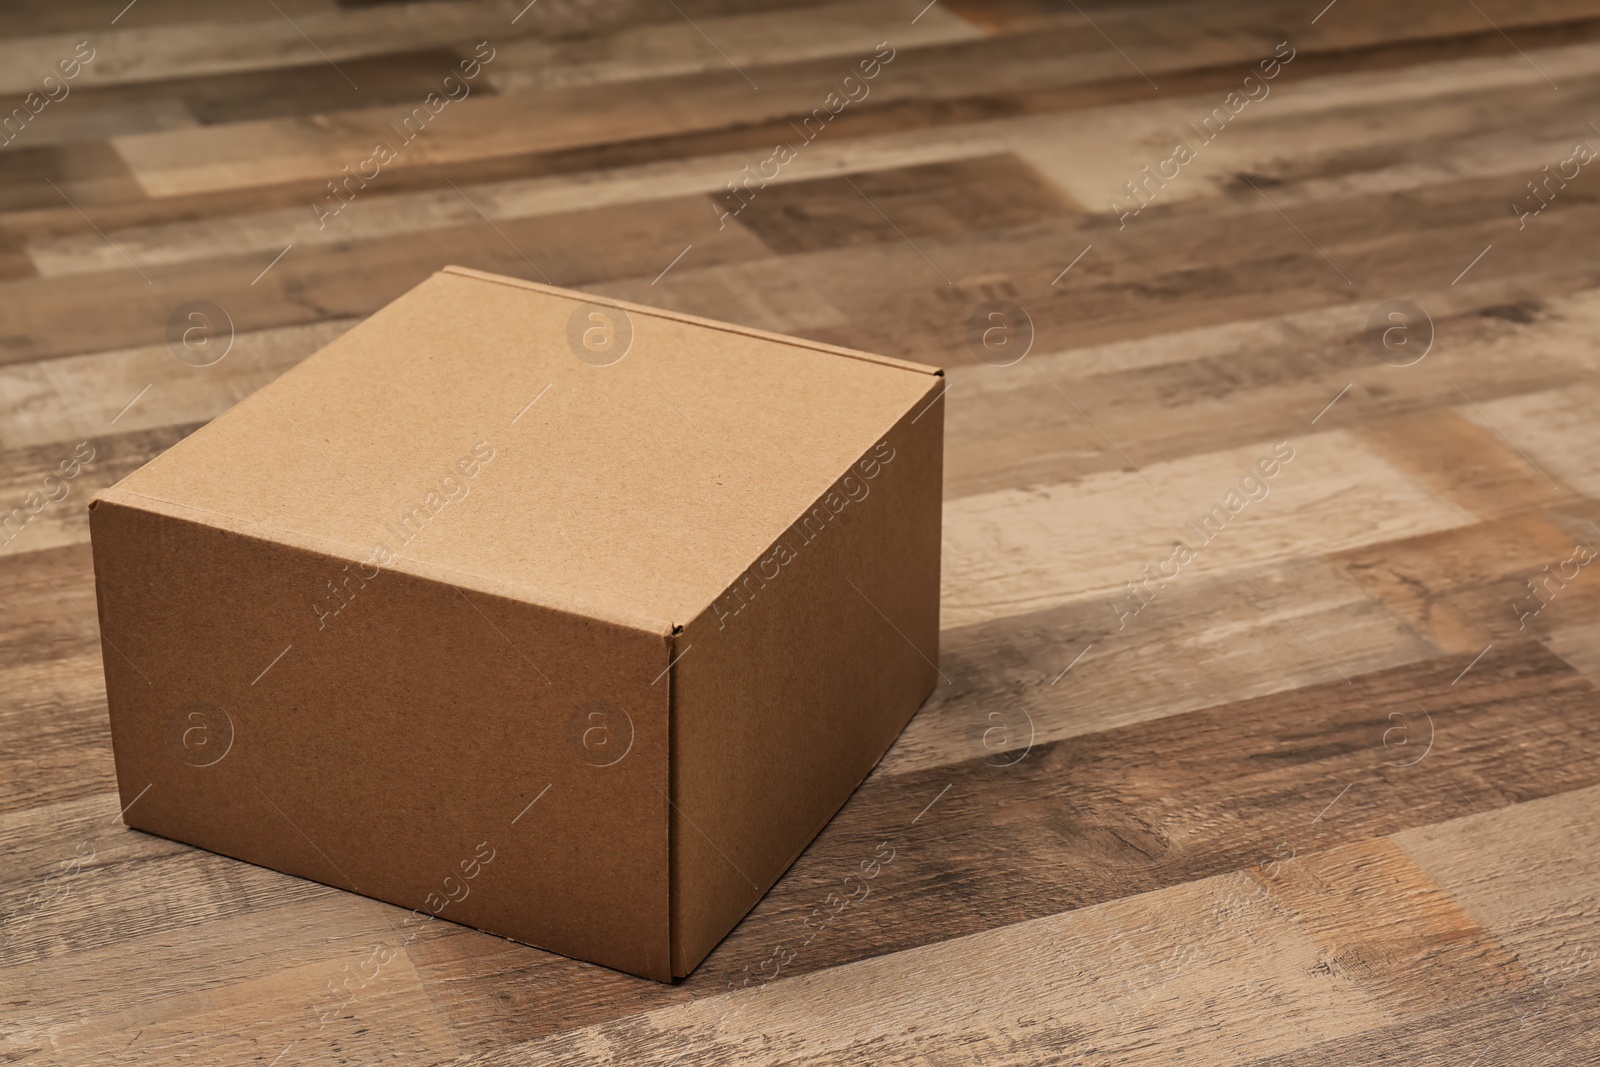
{"x":1324,"y":796}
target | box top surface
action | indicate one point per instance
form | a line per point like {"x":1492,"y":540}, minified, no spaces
{"x":459,"y":429}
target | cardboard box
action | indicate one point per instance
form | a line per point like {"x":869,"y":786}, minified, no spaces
{"x":564,"y":618}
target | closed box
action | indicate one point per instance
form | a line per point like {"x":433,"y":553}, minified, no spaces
{"x":564,"y":618}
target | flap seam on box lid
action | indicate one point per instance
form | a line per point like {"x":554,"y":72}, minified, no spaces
{"x":695,"y":320}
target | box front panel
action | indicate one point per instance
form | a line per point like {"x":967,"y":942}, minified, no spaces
{"x":458,"y":753}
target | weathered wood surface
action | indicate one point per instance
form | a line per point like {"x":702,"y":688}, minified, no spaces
{"x":1325,"y":797}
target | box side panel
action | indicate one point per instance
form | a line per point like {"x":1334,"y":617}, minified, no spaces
{"x":466,"y":755}
{"x":793,"y":684}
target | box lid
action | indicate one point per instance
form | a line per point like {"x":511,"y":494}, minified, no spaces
{"x":573,"y":451}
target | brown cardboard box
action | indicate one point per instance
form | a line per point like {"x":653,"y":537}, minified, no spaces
{"x":567,"y":619}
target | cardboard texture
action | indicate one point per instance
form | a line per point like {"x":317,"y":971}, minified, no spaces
{"x":560,"y":617}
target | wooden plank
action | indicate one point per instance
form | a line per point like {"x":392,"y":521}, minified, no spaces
{"x":32,"y":521}
{"x":24,"y":17}
{"x":105,"y":112}
{"x":1322,"y":133}
{"x":1029,"y":680}
{"x":1578,"y":644}
{"x":309,"y":992}
{"x":845,"y":31}
{"x":1524,"y":873}
{"x":1105,"y":986}
{"x":1331,"y":895}
{"x":99,"y":115}
{"x":392,"y":79}
{"x":75,"y":398}
{"x":59,"y":749}
{"x":1555,"y":433}
{"x":987,"y":193}
{"x":1139,"y":28}
{"x":1516,"y":577}
{"x":135,"y":50}
{"x":14,"y":259}
{"x":1496,"y":1031}
{"x":42,"y":317}
{"x":1501,"y":869}
{"x":1464,"y":461}
{"x":85,"y":174}
{"x":1009,"y":16}
{"x":39,"y":591}
{"x":1015,"y":551}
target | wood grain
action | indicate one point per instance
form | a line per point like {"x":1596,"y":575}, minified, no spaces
{"x":1322,"y":797}
{"x":1019,"y":550}
{"x":190,"y":161}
